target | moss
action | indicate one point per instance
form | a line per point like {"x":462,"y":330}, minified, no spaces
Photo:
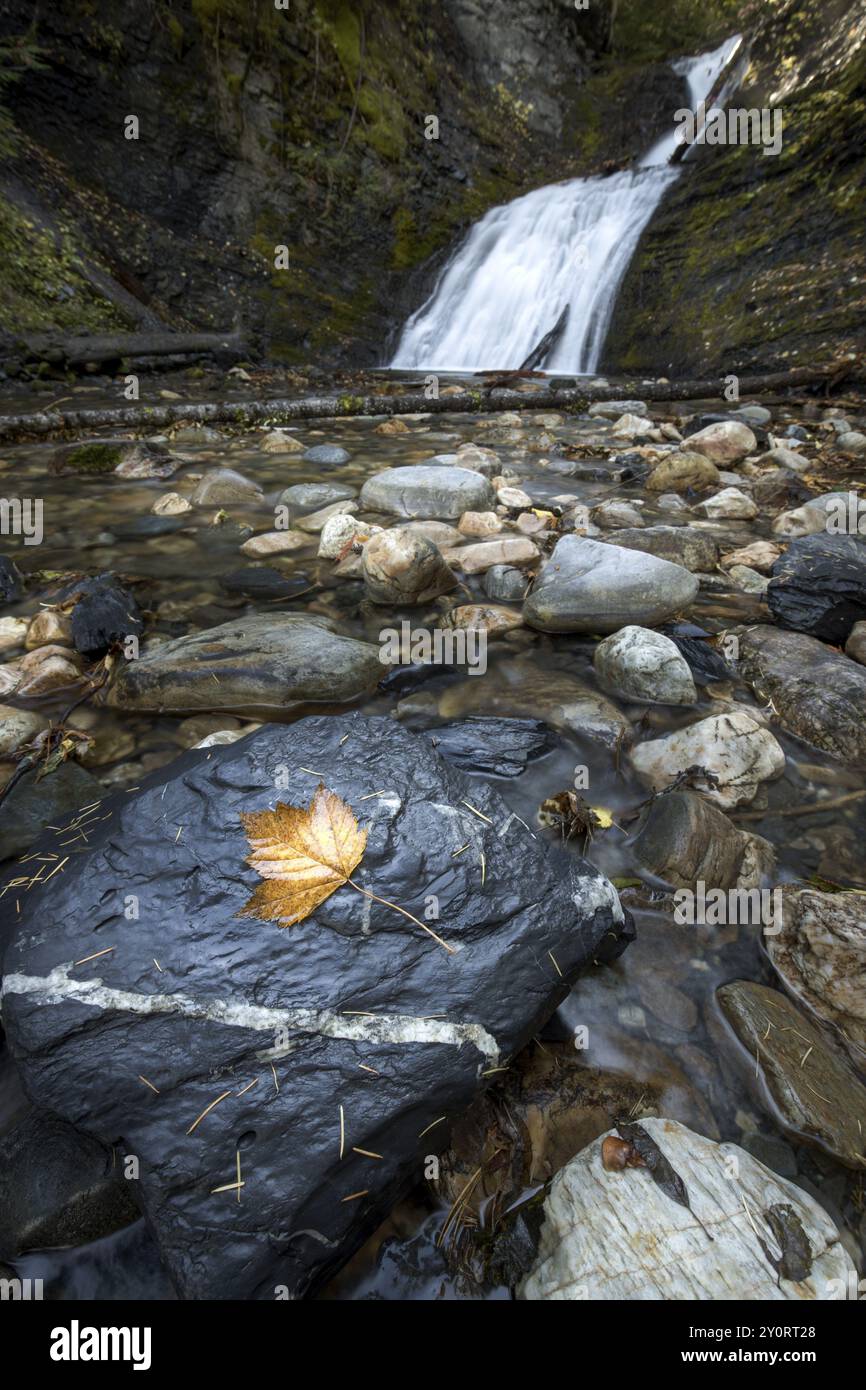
{"x":91,"y":459}
{"x":43,"y":285}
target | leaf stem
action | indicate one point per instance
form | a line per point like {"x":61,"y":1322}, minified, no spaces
{"x":450,"y":949}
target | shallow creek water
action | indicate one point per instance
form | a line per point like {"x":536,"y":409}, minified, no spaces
{"x":652,"y":1014}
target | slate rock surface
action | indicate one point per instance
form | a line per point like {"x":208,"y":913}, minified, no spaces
{"x":819,"y":586}
{"x":357,"y":1030}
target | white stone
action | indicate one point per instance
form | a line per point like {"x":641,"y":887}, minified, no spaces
{"x":643,"y":665}
{"x":733,"y":746}
{"x":731,"y":504}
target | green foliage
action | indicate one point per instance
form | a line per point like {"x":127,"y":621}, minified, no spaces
{"x":651,"y":32}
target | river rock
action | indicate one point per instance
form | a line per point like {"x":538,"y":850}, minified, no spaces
{"x":819,"y":587}
{"x":820,"y":956}
{"x":49,"y":625}
{"x":401,"y":568}
{"x":359,"y":1031}
{"x":484,"y":617}
{"x":58,"y":1187}
{"x":683,"y":472}
{"x":46,"y":670}
{"x":479,"y":524}
{"x":270,"y":661}
{"x":316,"y":494}
{"x":274,"y":543}
{"x":315,"y":522}
{"x":223,"y":487}
{"x":855,"y":647}
{"x":818,"y":694}
{"x":724,"y":443}
{"x":520,"y":688}
{"x":498,"y":747}
{"x":752,"y":414}
{"x":684,"y":840}
{"x":439,"y":532}
{"x":694,"y":550}
{"x":13,"y":633}
{"x":504,"y":584}
{"x":739,"y":751}
{"x":424,"y":490}
{"x":171,"y":504}
{"x":852,"y":442}
{"x":813,"y":1092}
{"x":326,"y":456}
{"x":147,"y":460}
{"x":105,"y":613}
{"x":280,"y":442}
{"x":11,"y":584}
{"x":619,"y":1235}
{"x":614,"y":514}
{"x":785,"y":458}
{"x":593,"y":586}
{"x":639,"y":664}
{"x":759,"y":555}
{"x":509,"y":550}
{"x":611,"y":410}
{"x":17,"y":727}
{"x":264,"y":582}
{"x":731,"y":504}
{"x":51,"y":800}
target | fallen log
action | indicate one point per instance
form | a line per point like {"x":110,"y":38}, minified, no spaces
{"x":78,"y":351}
{"x":475,"y":401}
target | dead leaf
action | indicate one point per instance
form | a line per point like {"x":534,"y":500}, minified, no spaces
{"x":304,"y":854}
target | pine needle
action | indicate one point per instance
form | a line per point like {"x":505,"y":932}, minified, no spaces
{"x":207,"y":1110}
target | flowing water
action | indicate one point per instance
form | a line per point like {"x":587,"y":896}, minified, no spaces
{"x":652,"y":1016}
{"x":566,"y":246}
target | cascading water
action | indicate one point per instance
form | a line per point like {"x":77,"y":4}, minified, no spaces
{"x":564,"y":247}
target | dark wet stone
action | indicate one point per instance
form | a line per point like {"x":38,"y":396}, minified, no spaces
{"x":818,"y":694}
{"x":683,"y":839}
{"x":238,"y":1000}
{"x":143,"y":527}
{"x":326,"y":456}
{"x":105,"y":613}
{"x":706,"y":662}
{"x":11,"y":585}
{"x":32,"y":804}
{"x":505,"y":584}
{"x":263,"y":582}
{"x":502,"y":747}
{"x":59,"y":1187}
{"x":819,"y":586}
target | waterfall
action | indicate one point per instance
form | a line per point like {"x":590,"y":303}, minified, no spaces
{"x":562,"y":248}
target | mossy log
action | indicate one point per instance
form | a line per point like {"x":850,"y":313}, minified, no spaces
{"x":75,"y":352}
{"x":479,"y":400}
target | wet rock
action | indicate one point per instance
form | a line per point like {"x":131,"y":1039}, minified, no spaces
{"x":268,"y":661}
{"x":171,"y":504}
{"x":316,"y":495}
{"x":479,"y":458}
{"x":49,"y":626}
{"x":13,"y":632}
{"x":317,"y":521}
{"x":592,"y":586}
{"x":393,"y":426}
{"x":274,"y":543}
{"x":731,"y":504}
{"x":819,"y":587}
{"x":262,"y":582}
{"x":104,"y":613}
{"x":59,"y":1187}
{"x":748,"y":579}
{"x":520,"y":688}
{"x":11,"y":583}
{"x":352,"y":987}
{"x":46,"y":670}
{"x":614,"y":514}
{"x":510,"y":550}
{"x":681,"y":545}
{"x":738,"y":751}
{"x":17,"y":727}
{"x":611,"y":410}
{"x":403,"y":568}
{"x":326,"y":456}
{"x":808,"y":520}
{"x":779,"y":487}
{"x":514,"y":498}
{"x":484,"y":617}
{"x":89,"y":459}
{"x":818,"y":694}
{"x":760,"y":555}
{"x":683,"y":839}
{"x":786,"y":458}
{"x":855,"y":647}
{"x":280,"y":442}
{"x":51,"y":800}
{"x":724,"y":443}
{"x":623,"y":1235}
{"x":479,"y":524}
{"x":341,"y":531}
{"x":424,"y":491}
{"x":147,"y":460}
{"x":639,"y":664}
{"x":812,"y":1089}
{"x":820,"y":956}
{"x":683,"y":472}
{"x":852,"y":442}
{"x":630,"y":426}
{"x":223,"y":487}
{"x":439,"y":532}
{"x":498,"y":747}
{"x":752,"y":414}
{"x":504,"y":584}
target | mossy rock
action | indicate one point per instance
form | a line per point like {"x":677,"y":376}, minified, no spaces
{"x":87,"y":460}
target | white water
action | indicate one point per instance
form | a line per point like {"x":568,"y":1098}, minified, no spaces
{"x":565,"y":245}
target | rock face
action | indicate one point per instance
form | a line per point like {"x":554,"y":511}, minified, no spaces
{"x":812,"y":1090}
{"x":820,"y":957}
{"x":329,"y":1019}
{"x":403,"y":568}
{"x":618,"y":1235}
{"x":738,"y":751}
{"x":819,"y":586}
{"x":694,"y":550}
{"x":590,"y":586}
{"x":818,"y":694}
{"x":643,"y":665}
{"x":684,"y":840}
{"x":427,"y":491}
{"x":268,"y":661}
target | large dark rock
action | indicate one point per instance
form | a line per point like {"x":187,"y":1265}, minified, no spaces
{"x":502,"y":747}
{"x":356,"y":1029}
{"x":35,"y":802}
{"x":819,"y":586}
{"x":105,"y":613}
